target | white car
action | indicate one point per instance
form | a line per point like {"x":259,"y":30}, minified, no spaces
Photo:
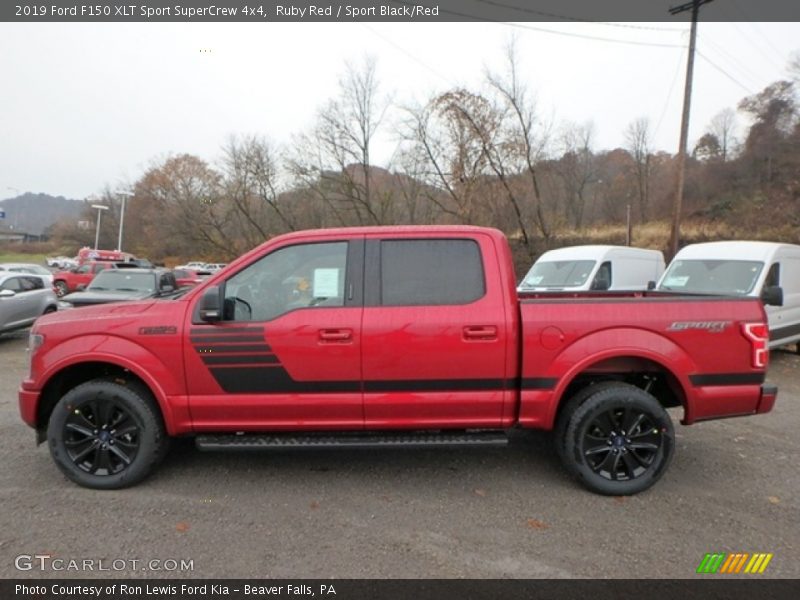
{"x":23,"y":298}
{"x":28,"y":268}
{"x":193,"y":266}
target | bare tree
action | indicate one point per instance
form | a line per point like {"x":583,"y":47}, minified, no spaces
{"x":723,"y":128}
{"x":637,"y":140}
{"x":577,"y":170}
{"x":526,"y":138}
{"x":334,"y":160}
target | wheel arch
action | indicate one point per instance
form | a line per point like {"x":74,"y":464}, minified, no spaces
{"x":645,"y":354}
{"x":71,"y":375}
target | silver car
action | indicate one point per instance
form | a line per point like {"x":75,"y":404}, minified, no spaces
{"x":28,"y":268}
{"x":23,"y":298}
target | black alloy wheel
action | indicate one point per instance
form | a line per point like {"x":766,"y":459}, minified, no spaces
{"x":107,"y":435}
{"x":101,"y":437}
{"x":619,"y":441}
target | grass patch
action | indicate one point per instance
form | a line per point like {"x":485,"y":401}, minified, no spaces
{"x":21,"y":257}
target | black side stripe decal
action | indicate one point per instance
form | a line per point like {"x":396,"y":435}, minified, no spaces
{"x":538,"y":383}
{"x":241,"y":359}
{"x":222,"y":349}
{"x":224,"y":330}
{"x":704,"y":379}
{"x":242,"y":379}
{"x":226,"y":339}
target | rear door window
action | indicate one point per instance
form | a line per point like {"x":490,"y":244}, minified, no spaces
{"x":431,"y":272}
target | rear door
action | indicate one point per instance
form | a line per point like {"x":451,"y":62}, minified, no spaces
{"x":434,"y":333}
{"x":287,"y":354}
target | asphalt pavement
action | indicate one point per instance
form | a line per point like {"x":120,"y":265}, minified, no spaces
{"x":477,"y":513}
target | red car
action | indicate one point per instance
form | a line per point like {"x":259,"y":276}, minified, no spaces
{"x":189,"y":277}
{"x":383,"y":337}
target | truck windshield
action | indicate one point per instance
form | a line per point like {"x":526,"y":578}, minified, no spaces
{"x":719,"y":277}
{"x":559,"y":273}
{"x":123,"y":281}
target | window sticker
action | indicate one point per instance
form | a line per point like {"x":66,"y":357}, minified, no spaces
{"x":326,"y":283}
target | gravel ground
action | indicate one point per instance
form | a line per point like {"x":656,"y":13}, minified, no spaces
{"x":475,"y":513}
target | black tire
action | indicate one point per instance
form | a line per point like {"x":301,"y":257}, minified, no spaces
{"x":562,"y":422}
{"x":104,"y":435}
{"x":61,"y":288}
{"x":619,"y":441}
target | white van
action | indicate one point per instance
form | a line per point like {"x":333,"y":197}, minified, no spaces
{"x":584,"y":268}
{"x":765,"y":270}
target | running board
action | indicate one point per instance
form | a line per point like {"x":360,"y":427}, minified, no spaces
{"x":254,"y":441}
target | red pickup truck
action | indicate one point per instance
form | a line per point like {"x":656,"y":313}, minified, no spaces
{"x":71,"y":280}
{"x":389,"y":336}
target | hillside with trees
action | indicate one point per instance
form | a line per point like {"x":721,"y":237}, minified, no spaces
{"x":469,"y":156}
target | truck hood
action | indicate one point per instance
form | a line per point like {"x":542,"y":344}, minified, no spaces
{"x":99,"y":311}
{"x":103,"y":297}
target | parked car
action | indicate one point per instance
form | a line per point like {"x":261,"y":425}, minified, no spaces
{"x":116,"y":285}
{"x":766,"y":270}
{"x":59,"y":262}
{"x":194,"y":265}
{"x":599,"y":268}
{"x":213,"y":267}
{"x":390,"y":336}
{"x":23,"y":298}
{"x":65,"y":281}
{"x":28,"y":268}
{"x":189,"y":277}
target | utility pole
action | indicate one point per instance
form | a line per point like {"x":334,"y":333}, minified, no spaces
{"x":694,"y":6}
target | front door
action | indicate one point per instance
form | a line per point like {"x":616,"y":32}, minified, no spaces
{"x":287,"y":352}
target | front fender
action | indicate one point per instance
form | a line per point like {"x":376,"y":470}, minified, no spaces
{"x":162,"y":372}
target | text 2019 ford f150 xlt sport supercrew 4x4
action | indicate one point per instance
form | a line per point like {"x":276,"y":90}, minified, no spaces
{"x":389,"y":336}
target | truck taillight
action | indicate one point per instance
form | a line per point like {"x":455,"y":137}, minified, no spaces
{"x":758,"y":336}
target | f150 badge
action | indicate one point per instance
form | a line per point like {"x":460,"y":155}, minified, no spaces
{"x":710,"y":326}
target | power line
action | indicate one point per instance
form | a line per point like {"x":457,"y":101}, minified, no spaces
{"x":411,"y":56}
{"x":736,"y":63}
{"x":724,"y":72}
{"x":550,"y":15}
{"x":669,"y":94}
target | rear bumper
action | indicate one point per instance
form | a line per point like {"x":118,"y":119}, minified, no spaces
{"x":769,"y":393}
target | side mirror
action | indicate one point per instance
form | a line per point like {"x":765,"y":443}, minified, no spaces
{"x":651,"y":285}
{"x":7,"y":293}
{"x":772,"y":295}
{"x":165,"y":289}
{"x":209,"y":310}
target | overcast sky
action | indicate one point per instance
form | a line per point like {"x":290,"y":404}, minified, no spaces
{"x":83,"y":106}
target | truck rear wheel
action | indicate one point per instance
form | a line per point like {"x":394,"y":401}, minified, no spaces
{"x":104,"y":435}
{"x":619,"y":441}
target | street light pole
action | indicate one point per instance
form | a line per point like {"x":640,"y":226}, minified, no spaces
{"x":100,"y":208}
{"x":122,"y":217}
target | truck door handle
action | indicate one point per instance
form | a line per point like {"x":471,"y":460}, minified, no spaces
{"x":336,"y":335}
{"x":480,"y":332}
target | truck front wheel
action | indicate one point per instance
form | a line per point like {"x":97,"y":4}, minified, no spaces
{"x":104,"y":435}
{"x":619,"y":441}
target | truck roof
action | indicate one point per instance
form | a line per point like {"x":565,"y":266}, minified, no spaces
{"x":733,"y":250}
